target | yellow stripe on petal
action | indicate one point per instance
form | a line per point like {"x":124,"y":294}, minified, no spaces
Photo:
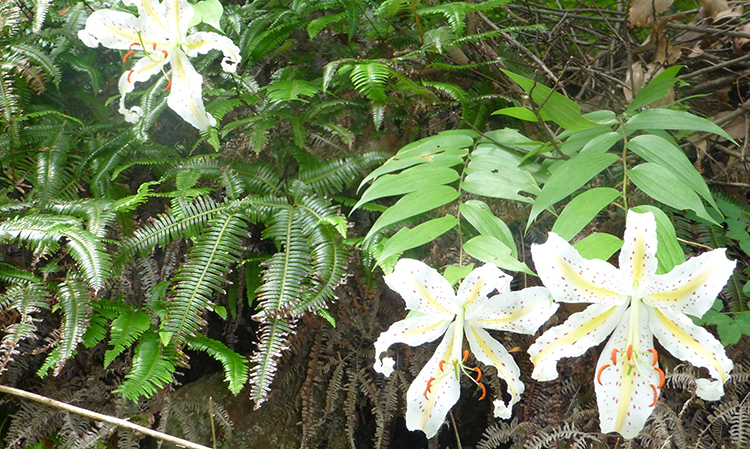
{"x":429,"y":297}
{"x":511,"y":317}
{"x":685,"y":290}
{"x":690,"y":342}
{"x":496,"y":362}
{"x":627,"y":382}
{"x":572,"y":276}
{"x":575,"y":334}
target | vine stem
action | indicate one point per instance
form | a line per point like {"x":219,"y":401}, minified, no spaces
{"x":100,"y":417}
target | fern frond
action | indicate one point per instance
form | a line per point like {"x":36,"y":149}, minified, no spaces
{"x":12,"y":275}
{"x":96,"y":212}
{"x":327,"y":178}
{"x":26,"y":300}
{"x":185,"y":221}
{"x":40,"y":13}
{"x":36,"y":54}
{"x":329,"y":269}
{"x":370,"y":78}
{"x":74,"y":301}
{"x":451,"y":90}
{"x":235,"y":366}
{"x":272,"y":343}
{"x":52,"y":170}
{"x":288,"y":90}
{"x":316,"y":25}
{"x":215,"y":250}
{"x":125,"y":330}
{"x":151,"y":369}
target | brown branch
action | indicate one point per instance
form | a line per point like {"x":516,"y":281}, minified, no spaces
{"x":100,"y":417}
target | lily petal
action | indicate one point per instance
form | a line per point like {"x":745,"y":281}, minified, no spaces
{"x":690,"y":287}
{"x":423,"y":289}
{"x":638,"y":253}
{"x":153,"y":14}
{"x":143,"y":70}
{"x":579,"y":332}
{"x":686,"y":341}
{"x":412,"y":331}
{"x":625,"y":394}
{"x":185,"y":97}
{"x":482,"y":282}
{"x":178,"y":13}
{"x":521,"y":311}
{"x":203,"y":42}
{"x":490,"y":352}
{"x":571,"y":278}
{"x":112,"y":29}
{"x":426,"y":407}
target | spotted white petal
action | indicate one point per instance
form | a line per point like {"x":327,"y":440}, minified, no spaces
{"x":627,"y":394}
{"x":521,"y":311}
{"x":690,"y":287}
{"x":579,"y":332}
{"x":203,"y":42}
{"x":112,"y":29}
{"x":185,"y":97}
{"x":423,"y":289}
{"x":153,"y":14}
{"x":571,"y":278}
{"x":638,"y":253}
{"x":686,"y":341}
{"x":426,"y":407}
{"x":178,"y":14}
{"x":412,"y":331}
{"x":143,"y":70}
{"x":490,"y":352}
{"x":480,"y":283}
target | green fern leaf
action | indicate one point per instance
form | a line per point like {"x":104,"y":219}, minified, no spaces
{"x":327,"y":178}
{"x":26,"y":300}
{"x":272,"y":343}
{"x":218,"y":247}
{"x":151,"y":369}
{"x":370,"y":78}
{"x":288,"y":90}
{"x":36,"y":54}
{"x":124,"y":331}
{"x":74,"y":301}
{"x":451,"y":90}
{"x":40,"y":13}
{"x":235,"y":366}
{"x":316,"y":25}
{"x":329,"y":264}
{"x":12,"y":275}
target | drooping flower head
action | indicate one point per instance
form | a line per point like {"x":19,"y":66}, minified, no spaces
{"x":484,"y":301}
{"x":159,"y":36}
{"x":634,"y":304}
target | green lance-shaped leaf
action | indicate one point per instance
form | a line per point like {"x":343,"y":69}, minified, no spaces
{"x":581,"y":211}
{"x":420,"y":177}
{"x":655,"y":90}
{"x":664,"y":186}
{"x":668,"y":250}
{"x":657,"y":150}
{"x":598,"y":246}
{"x":661,"y":118}
{"x":481,"y":217}
{"x":569,"y":177}
{"x":235,"y":366}
{"x":412,"y":205}
{"x":151,"y":369}
{"x":419,"y":235}
{"x":443,"y":150}
{"x":288,"y":90}
{"x":124,"y":331}
{"x":561,"y":110}
{"x":488,"y":249}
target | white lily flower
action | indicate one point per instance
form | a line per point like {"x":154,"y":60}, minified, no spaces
{"x":484,"y":301}
{"x":637,"y":304}
{"x":159,"y":34}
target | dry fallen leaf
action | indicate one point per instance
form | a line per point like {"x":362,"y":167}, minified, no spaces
{"x":714,"y":7}
{"x":642,"y":12}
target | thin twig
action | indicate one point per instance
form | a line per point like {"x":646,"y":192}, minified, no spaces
{"x":100,"y":417}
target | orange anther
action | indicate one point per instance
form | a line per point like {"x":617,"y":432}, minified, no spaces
{"x":479,"y":373}
{"x":516,"y":349}
{"x":656,"y":395}
{"x":154,"y":46}
{"x":601,"y":370}
{"x":427,"y":390}
{"x":661,"y":377}
{"x":614,"y":356}
{"x":165,"y":54}
{"x":656,"y":356}
{"x":127,"y":55}
{"x":440,"y":365}
{"x":484,"y":392}
{"x":130,"y":73}
{"x":169,"y":86}
{"x":133,"y":44}
{"x":466,"y":355}
{"x":630,"y":351}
